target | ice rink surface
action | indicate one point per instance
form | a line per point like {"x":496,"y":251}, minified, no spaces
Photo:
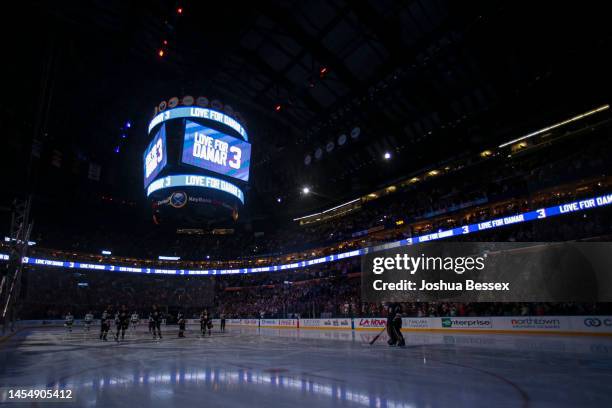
{"x":310,"y":368}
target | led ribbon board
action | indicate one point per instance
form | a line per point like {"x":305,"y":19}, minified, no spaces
{"x":576,"y":206}
{"x":212,"y":150}
{"x":203,"y":113}
{"x":192,"y":180}
{"x":155,"y":157}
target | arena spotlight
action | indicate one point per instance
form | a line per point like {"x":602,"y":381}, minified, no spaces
{"x":106,"y":252}
{"x":306,"y":190}
{"x":117,"y":149}
{"x":128,"y":124}
{"x":387,"y":155}
{"x":207,"y":256}
{"x":278,"y":199}
{"x":179,"y":10}
{"x":160,"y":53}
{"x":277,"y":108}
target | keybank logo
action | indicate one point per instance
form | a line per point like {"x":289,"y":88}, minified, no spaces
{"x":466,"y":323}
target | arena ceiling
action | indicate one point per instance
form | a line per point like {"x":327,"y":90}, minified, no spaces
{"x":423,"y":80}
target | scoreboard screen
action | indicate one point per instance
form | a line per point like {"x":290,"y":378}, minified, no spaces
{"x":215,"y":151}
{"x":155,"y":156}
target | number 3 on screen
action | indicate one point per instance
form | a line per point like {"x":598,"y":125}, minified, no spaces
{"x":235,"y":162}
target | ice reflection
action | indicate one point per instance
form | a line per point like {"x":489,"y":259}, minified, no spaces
{"x":164,"y":385}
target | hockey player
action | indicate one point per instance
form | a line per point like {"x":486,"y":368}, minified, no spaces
{"x":222,"y":326}
{"x":181,"y":322}
{"x":204,"y":320}
{"x":134,"y":319}
{"x":122,"y":321}
{"x":156,"y":315}
{"x":105,"y":324}
{"x":69,"y":321}
{"x":88,"y":320}
{"x":394,"y":326}
{"x":151,"y":323}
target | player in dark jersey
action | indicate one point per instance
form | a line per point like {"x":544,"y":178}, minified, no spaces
{"x":394,"y":327}
{"x":122,"y":322}
{"x":105,"y":323}
{"x":156,"y":315}
{"x":205,"y":323}
{"x":151,"y":324}
{"x":222,"y":326}
{"x":181,"y":322}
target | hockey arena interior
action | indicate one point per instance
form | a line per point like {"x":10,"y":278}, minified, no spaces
{"x":207,"y":204}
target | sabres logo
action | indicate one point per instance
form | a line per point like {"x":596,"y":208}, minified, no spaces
{"x":178,"y":199}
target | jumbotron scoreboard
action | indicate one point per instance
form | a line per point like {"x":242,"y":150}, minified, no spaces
{"x":196,"y":165}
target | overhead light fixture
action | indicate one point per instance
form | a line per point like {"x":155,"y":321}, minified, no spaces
{"x":168,"y":258}
{"x":106,"y":252}
{"x":278,"y":199}
{"x":387,"y":155}
{"x":556,"y":125}
{"x":160,"y":53}
{"x":277,"y":108}
{"x":306,"y":190}
{"x":328,"y":210}
{"x":7,"y":239}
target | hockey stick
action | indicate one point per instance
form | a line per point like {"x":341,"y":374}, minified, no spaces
{"x":399,"y":336}
{"x":377,"y":336}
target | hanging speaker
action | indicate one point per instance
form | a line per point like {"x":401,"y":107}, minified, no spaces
{"x":202,"y":101}
{"x":173,"y":102}
{"x":216,"y":104}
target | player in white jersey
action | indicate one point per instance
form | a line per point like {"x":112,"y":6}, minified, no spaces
{"x":69,"y":321}
{"x":88,"y":320}
{"x":134,"y":320}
